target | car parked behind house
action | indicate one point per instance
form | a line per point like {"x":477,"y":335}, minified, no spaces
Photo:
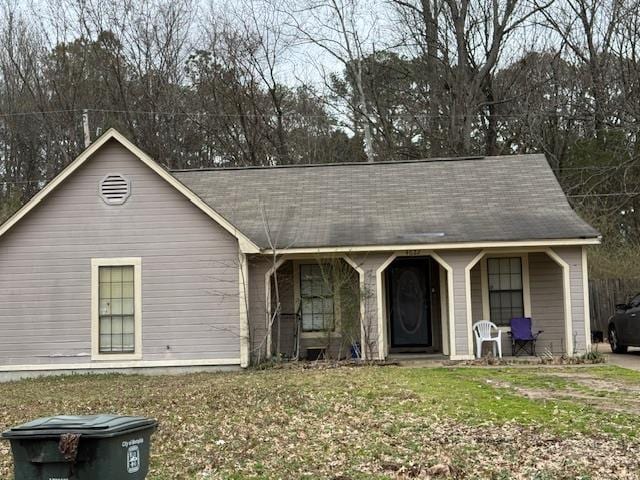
{"x":624,"y":326}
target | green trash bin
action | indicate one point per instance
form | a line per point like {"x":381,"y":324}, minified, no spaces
{"x":93,"y":447}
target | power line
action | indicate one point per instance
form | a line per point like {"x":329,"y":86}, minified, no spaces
{"x":610,"y":194}
{"x":20,"y":182}
{"x":596,"y":167}
{"x":585,"y":117}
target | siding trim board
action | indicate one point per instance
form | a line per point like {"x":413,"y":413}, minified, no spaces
{"x":245,"y":243}
{"x":361,"y":283}
{"x":243,"y":295}
{"x":444,"y":310}
{"x":586,"y":301}
{"x":437,"y":246}
{"x":119,"y":365}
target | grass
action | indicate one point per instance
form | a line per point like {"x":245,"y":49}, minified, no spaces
{"x":369,"y":422}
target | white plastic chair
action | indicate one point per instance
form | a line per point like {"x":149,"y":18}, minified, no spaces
{"x":482,"y":332}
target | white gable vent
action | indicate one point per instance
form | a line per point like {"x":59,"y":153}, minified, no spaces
{"x":115,"y":189}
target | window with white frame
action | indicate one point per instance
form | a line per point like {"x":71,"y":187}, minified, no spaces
{"x":316,"y":298}
{"x":116,"y":303}
{"x":506,"y":299}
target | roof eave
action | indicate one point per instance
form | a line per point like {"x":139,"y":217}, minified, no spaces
{"x":438,"y":246}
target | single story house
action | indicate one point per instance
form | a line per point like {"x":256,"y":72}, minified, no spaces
{"x":118,"y":263}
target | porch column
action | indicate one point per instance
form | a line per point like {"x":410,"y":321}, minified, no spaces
{"x":573,"y":260}
{"x":243,"y":284}
{"x":373,"y":331}
{"x":362,"y":283}
{"x":461,"y":345}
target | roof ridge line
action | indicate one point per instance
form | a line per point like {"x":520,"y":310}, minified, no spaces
{"x":347,"y":164}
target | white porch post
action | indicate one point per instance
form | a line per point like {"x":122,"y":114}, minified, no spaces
{"x":444,"y":311}
{"x":382,"y":307}
{"x":566,"y":291}
{"x":243,"y":283}
{"x":362,"y":288}
{"x":587,"y":301}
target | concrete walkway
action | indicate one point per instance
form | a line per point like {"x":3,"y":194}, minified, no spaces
{"x":630,"y":360}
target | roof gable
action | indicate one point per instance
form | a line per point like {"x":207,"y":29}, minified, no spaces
{"x":246,"y":245}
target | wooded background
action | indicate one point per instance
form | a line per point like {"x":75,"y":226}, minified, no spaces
{"x":264,"y":82}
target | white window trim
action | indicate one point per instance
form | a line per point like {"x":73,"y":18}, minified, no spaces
{"x":96,"y":263}
{"x":336,"y":332}
{"x":526,"y":291}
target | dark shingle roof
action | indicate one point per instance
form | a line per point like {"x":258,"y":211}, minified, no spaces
{"x":419,"y":202}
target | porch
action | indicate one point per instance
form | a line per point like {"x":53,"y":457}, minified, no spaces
{"x":420,"y":302}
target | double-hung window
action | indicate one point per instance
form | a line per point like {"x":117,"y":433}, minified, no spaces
{"x":316,"y":298}
{"x":506,"y":300}
{"x":117,"y":325}
{"x":116,"y":304}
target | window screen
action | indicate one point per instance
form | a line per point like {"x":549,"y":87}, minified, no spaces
{"x":116,"y":310}
{"x":505,"y":289}
{"x":316,"y":298}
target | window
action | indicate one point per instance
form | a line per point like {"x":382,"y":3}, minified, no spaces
{"x":505,"y":289}
{"x":316,"y":298}
{"x":117,"y":325}
{"x":116,"y":308}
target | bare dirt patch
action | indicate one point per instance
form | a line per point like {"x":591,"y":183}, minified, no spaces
{"x":596,"y":392}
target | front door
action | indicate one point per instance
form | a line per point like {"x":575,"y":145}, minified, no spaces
{"x":409,"y":303}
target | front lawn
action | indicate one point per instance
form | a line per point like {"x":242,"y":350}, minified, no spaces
{"x":369,"y":422}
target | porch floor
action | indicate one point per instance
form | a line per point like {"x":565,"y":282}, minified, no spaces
{"x":418,"y":359}
{"x":439,"y":359}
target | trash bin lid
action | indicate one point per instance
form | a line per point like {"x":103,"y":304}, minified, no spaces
{"x":87,"y":425}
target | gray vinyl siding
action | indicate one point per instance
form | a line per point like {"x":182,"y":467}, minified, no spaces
{"x":476,"y":294}
{"x":458,"y":261}
{"x":190,"y":304}
{"x":547,"y":303}
{"x":369,"y":263}
{"x":258,"y":267}
{"x":573,"y":256}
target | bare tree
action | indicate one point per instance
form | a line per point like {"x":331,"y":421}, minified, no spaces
{"x":343,"y":30}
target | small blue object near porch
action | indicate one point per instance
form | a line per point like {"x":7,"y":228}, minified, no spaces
{"x":522,"y":337}
{"x":483,"y":332}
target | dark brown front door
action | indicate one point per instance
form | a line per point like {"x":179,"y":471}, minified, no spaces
{"x":409,"y":303}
